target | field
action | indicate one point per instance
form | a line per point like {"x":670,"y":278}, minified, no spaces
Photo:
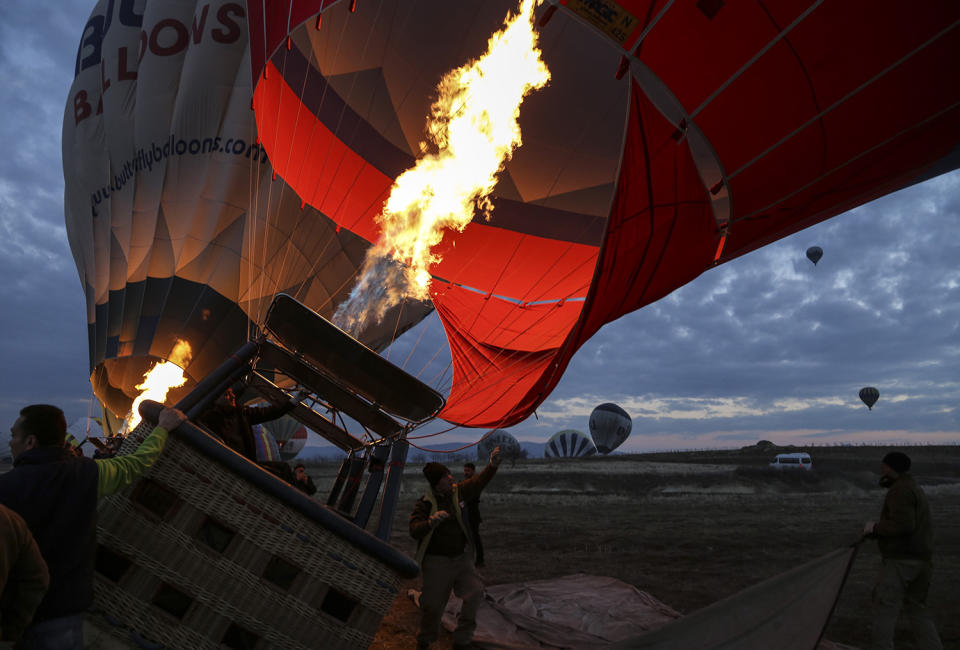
{"x":692,"y":528}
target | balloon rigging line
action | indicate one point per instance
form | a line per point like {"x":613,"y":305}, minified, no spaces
{"x":301,"y":106}
{"x":746,"y":66}
{"x":853,"y":159}
{"x":268,"y":218}
{"x":846,"y":97}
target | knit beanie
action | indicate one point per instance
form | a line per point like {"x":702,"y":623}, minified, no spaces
{"x":898,"y":461}
{"x":434,"y":472}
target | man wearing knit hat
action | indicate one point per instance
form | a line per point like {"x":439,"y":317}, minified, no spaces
{"x":445,"y":551}
{"x":905,"y":537}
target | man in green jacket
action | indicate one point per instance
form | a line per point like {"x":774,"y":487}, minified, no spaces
{"x":445,"y":551}
{"x":905,"y":536}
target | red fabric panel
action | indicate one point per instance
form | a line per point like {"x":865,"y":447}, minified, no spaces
{"x":661,"y":234}
{"x":336,"y":180}
{"x":270,"y":21}
{"x":491,"y":385}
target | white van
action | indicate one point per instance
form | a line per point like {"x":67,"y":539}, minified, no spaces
{"x":799,"y":460}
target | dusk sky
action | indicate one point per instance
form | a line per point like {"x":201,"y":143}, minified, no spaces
{"x":766,"y":347}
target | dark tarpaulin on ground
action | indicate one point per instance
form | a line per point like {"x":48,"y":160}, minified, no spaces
{"x":789,"y":612}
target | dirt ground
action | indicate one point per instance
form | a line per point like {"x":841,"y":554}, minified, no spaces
{"x":691,"y":529}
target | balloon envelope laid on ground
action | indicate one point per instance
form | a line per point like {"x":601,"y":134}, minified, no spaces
{"x":509,"y":446}
{"x":672,"y":137}
{"x":609,"y":426}
{"x":869,"y":395}
{"x":569,"y":443}
{"x":814,"y":253}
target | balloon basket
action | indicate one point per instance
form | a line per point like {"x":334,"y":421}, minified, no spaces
{"x":208,"y":550}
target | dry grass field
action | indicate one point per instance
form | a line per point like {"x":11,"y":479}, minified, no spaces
{"x":694,"y":527}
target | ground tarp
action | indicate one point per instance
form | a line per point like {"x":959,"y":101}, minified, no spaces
{"x":788,"y":612}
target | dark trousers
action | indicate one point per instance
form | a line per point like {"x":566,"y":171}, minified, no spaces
{"x":477,"y":542}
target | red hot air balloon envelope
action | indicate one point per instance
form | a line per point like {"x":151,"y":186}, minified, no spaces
{"x":869,"y":395}
{"x":672,"y":137}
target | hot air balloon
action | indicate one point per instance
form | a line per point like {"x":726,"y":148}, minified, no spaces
{"x":179,"y":229}
{"x":869,"y":395}
{"x":671,"y":137}
{"x":294,"y":445}
{"x":509,"y":446}
{"x":569,"y":443}
{"x":609,"y":427}
{"x":814,"y":253}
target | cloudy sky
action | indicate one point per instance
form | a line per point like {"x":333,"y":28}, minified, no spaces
{"x":765,"y":347}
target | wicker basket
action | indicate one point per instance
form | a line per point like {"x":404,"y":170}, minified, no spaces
{"x":207,"y":550}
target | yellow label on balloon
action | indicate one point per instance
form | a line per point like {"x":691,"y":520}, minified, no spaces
{"x":612,"y":19}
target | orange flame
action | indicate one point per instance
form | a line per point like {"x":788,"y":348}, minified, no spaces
{"x":161,"y":377}
{"x":473,"y":127}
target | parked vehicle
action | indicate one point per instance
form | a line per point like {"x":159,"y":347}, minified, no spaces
{"x":800,"y":460}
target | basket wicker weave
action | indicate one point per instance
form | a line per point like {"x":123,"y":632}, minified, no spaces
{"x":207,"y":550}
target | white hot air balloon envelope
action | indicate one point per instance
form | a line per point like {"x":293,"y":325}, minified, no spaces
{"x":609,"y":427}
{"x":569,"y":443}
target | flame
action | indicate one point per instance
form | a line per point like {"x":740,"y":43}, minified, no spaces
{"x":471,"y":132}
{"x":161,"y":377}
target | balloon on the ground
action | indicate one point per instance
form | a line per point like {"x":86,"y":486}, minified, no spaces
{"x":814,"y":253}
{"x":294,"y":444}
{"x":509,"y":446}
{"x":609,"y":427}
{"x":569,"y":443}
{"x":691,"y":133}
{"x":869,"y":395}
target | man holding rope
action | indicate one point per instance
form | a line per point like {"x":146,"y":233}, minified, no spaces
{"x":445,"y":550}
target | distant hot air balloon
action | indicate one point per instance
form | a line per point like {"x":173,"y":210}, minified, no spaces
{"x":509,"y":446}
{"x":291,"y":436}
{"x":569,"y":443}
{"x":609,"y":427}
{"x":814,"y":253}
{"x":869,"y":395}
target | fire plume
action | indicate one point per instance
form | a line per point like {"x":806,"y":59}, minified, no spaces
{"x":472,"y":131}
{"x":163,"y":376}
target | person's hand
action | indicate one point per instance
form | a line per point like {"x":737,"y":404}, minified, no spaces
{"x":495,"y":457}
{"x":438,"y":518}
{"x":868,"y":528}
{"x":170,"y":418}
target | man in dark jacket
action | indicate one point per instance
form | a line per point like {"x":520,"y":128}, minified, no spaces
{"x":905,"y":536}
{"x":445,"y":551}
{"x":56,"y":494}
{"x":233,"y":422}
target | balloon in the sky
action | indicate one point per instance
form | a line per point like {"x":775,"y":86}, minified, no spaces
{"x":609,"y":427}
{"x":569,"y":443}
{"x":509,"y":446}
{"x":869,"y":395}
{"x":177,"y":228}
{"x":690,"y":134}
{"x":814,"y":253}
